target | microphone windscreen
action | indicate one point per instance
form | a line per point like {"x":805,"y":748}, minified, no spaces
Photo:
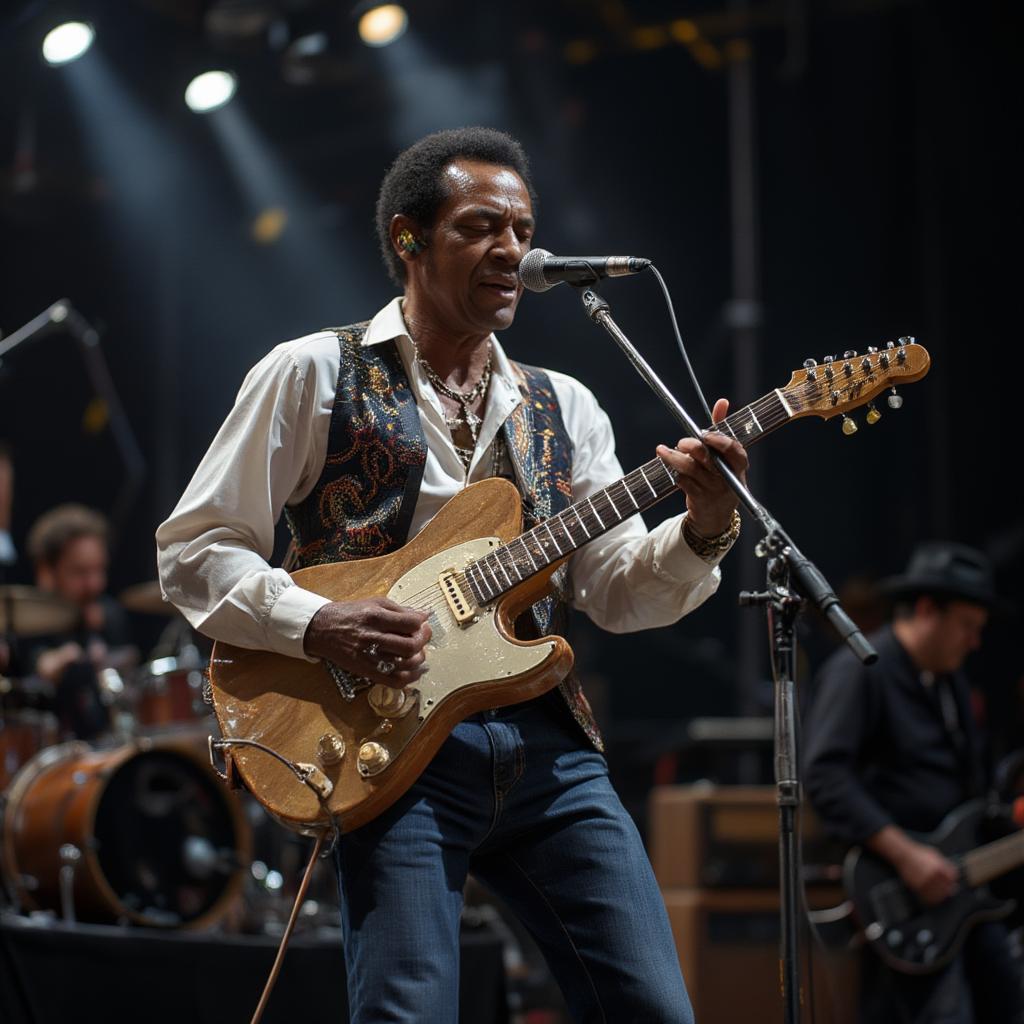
{"x":531,"y":270}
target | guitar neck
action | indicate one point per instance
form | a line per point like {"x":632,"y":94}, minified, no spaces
{"x":559,"y":536}
{"x":993,"y":859}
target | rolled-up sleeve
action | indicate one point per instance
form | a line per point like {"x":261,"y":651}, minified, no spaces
{"x":212,"y":551}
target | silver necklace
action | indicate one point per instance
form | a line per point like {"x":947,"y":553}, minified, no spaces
{"x":466,"y":417}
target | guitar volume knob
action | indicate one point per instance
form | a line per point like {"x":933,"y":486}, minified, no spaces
{"x":330,"y":749}
{"x":373,"y":757}
{"x":387,"y":701}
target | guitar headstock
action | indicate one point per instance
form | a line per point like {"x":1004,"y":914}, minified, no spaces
{"x":839,"y":385}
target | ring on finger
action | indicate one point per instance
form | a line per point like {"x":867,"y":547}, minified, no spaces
{"x":384,"y":667}
{"x":371,"y":651}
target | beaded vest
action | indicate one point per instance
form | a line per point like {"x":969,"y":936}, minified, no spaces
{"x":363,"y":503}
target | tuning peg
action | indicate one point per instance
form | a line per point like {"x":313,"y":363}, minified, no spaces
{"x":809,"y":365}
{"x":849,"y":425}
{"x":894,"y":400}
{"x":872,"y":350}
{"x":873,"y":415}
{"x":849,"y":353}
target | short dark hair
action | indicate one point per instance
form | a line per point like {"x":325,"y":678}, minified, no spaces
{"x":53,"y":531}
{"x":414,"y":186}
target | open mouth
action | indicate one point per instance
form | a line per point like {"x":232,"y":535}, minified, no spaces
{"x":503,"y":289}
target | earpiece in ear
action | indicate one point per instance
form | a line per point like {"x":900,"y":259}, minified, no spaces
{"x":409,"y":242}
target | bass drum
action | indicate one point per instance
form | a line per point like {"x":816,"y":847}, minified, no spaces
{"x":161,"y":842}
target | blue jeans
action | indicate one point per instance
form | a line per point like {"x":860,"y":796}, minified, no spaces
{"x":518,"y":797}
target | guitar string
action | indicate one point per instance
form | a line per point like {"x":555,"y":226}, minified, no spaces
{"x":601,"y":501}
{"x":773,"y":414}
{"x":811,"y":389}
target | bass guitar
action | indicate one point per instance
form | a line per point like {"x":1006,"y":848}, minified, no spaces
{"x":317,"y":752}
{"x":917,"y":939}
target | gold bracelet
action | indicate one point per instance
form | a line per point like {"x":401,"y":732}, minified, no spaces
{"x":711,"y":548}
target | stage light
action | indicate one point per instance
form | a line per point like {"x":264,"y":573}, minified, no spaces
{"x":382,"y":25}
{"x":67,"y":42}
{"x":210,"y":90}
{"x":269,"y":224}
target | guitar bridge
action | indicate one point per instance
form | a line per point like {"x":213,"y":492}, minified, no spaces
{"x":460,"y":607}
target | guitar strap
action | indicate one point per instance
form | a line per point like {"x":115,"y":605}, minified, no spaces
{"x":954,"y":727}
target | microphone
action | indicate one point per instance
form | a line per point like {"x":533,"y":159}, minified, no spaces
{"x":539,"y":270}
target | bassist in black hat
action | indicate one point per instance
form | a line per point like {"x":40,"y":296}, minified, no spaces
{"x":891,"y":750}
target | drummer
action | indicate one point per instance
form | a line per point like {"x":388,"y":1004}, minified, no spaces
{"x":69,"y":549}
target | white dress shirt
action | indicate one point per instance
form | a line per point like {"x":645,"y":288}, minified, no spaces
{"x":270,"y":451}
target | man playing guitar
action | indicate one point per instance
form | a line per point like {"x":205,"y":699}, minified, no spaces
{"x":360,"y":435}
{"x":891,"y":750}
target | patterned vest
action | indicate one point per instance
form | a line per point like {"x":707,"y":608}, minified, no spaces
{"x":363,"y":503}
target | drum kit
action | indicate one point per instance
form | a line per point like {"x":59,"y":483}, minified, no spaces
{"x":133,"y":826}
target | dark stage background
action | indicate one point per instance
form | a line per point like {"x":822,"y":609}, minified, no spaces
{"x":877,"y":141}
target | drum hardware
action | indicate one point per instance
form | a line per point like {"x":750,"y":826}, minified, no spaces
{"x":115,"y":697}
{"x":70,"y":857}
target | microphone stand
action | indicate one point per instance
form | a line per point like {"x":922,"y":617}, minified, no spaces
{"x":62,"y":314}
{"x":787,"y":567}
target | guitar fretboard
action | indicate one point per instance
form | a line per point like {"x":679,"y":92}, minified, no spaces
{"x":560,"y":535}
{"x":994,"y":859}
{"x":753,"y":421}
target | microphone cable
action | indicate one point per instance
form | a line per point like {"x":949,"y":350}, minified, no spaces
{"x":679,"y":341}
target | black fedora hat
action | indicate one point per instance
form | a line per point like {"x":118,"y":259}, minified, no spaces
{"x":944,"y":569}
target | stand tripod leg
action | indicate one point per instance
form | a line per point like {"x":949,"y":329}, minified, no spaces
{"x":787,"y":782}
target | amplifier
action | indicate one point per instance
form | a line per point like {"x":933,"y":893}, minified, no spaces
{"x":727,"y":837}
{"x":728,"y":946}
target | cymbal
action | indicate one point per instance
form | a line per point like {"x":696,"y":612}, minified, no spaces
{"x":28,"y":611}
{"x":146,"y":598}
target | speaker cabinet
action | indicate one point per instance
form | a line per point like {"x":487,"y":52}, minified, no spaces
{"x":715,"y":854}
{"x":728,"y":945}
{"x":727,"y":837}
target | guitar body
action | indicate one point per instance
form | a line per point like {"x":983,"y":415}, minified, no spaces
{"x":313,"y":754}
{"x":908,"y":936}
{"x":296,"y":709}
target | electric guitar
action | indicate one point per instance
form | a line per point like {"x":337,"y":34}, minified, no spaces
{"x":312,"y":748}
{"x":917,"y":939}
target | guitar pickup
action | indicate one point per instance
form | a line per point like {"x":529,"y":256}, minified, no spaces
{"x":461,"y":608}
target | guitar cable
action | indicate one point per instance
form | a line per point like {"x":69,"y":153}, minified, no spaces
{"x":300,"y":897}
{"x":321,"y":786}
